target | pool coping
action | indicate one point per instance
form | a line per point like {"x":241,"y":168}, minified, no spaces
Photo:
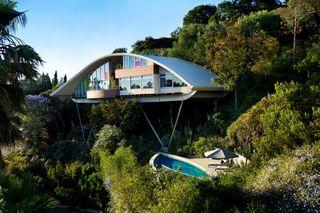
{"x":176,"y":157}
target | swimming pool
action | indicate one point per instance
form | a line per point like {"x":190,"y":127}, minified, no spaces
{"x":176,"y":163}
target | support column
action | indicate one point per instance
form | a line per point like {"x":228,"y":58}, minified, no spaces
{"x":84,"y":139}
{"x":154,"y":131}
{"x":175,"y":124}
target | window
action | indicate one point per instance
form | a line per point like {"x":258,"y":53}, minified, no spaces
{"x":147,"y":81}
{"x":124,"y":83}
{"x":135,"y":82}
{"x":130,"y":62}
{"x":166,"y":80}
{"x":177,"y":82}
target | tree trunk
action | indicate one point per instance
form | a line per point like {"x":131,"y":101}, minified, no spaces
{"x":294,"y":40}
{"x":235,"y":100}
{"x":1,"y":162}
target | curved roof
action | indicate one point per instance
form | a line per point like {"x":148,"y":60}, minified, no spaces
{"x":192,"y":74}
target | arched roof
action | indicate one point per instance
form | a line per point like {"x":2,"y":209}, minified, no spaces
{"x":192,"y":74}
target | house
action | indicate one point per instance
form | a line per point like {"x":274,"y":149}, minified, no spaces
{"x":142,"y":78}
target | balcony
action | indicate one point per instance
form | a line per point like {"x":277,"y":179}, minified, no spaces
{"x":101,"y":94}
{"x":147,"y":70}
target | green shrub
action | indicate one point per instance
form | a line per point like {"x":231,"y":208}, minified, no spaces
{"x":78,"y":184}
{"x":125,"y":115}
{"x":109,"y":139}
{"x":16,"y":164}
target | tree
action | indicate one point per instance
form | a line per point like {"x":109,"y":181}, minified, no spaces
{"x":55,"y":79}
{"x":151,"y":43}
{"x":17,"y":61}
{"x":190,"y":44}
{"x":294,"y":16}
{"x":199,"y":15}
{"x":65,"y":78}
{"x":120,"y":50}
{"x":23,"y":195}
{"x":238,"y":54}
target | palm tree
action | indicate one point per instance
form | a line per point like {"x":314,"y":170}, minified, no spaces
{"x":17,"y":61}
{"x":22,"y":195}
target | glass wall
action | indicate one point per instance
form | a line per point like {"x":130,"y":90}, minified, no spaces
{"x":124,"y":83}
{"x":97,"y":80}
{"x":147,"y":81}
{"x":133,"y":62}
{"x":169,"y":80}
{"x":136,"y":82}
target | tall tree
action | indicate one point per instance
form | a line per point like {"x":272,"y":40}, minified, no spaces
{"x":55,"y":79}
{"x":65,"y":78}
{"x":238,"y":54}
{"x":17,"y":61}
{"x":295,"y":14}
{"x":199,"y":15}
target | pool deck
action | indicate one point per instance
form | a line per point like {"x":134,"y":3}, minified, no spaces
{"x":204,"y":162}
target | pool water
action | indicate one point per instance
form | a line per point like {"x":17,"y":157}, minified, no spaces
{"x":176,"y":165}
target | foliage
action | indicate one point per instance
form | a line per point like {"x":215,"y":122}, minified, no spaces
{"x":230,"y":63}
{"x":109,"y":139}
{"x":23,"y":195}
{"x":278,"y":123}
{"x":268,"y":21}
{"x":291,"y":179}
{"x":16,"y":164}
{"x":17,"y":60}
{"x":77,"y":184}
{"x":190,"y":44}
{"x":35,"y":87}
{"x":120,"y":50}
{"x":151,"y":43}
{"x":121,"y":113}
{"x":199,"y":15}
{"x":39,"y":121}
{"x":67,"y":151}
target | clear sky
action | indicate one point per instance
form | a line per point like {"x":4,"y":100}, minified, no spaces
{"x":69,"y":34}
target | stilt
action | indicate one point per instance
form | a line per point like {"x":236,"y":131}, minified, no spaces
{"x":175,"y":124}
{"x":154,"y":131}
{"x":84,"y":139}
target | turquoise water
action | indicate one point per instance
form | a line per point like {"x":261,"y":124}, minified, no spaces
{"x":174,"y":164}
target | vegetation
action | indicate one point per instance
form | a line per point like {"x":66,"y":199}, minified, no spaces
{"x":266,"y":53}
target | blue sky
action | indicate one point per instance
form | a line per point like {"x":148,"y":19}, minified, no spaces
{"x":69,"y":34}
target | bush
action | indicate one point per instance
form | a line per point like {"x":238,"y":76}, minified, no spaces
{"x":67,"y":151}
{"x":16,"y":164}
{"x":78,"y":184}
{"x":123,"y":114}
{"x":109,"y":139}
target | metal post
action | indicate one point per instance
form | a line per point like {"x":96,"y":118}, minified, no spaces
{"x":175,"y":124}
{"x":154,"y":131}
{"x":84,"y":139}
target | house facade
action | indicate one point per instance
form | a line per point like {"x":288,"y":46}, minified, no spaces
{"x":142,"y":78}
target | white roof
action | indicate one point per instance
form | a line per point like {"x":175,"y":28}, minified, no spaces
{"x":192,"y":74}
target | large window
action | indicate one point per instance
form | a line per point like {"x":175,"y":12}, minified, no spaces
{"x":99,"y":79}
{"x":147,"y":81}
{"x":135,"y":82}
{"x":133,"y":62}
{"x":169,"y":80}
{"x":124,"y":83}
